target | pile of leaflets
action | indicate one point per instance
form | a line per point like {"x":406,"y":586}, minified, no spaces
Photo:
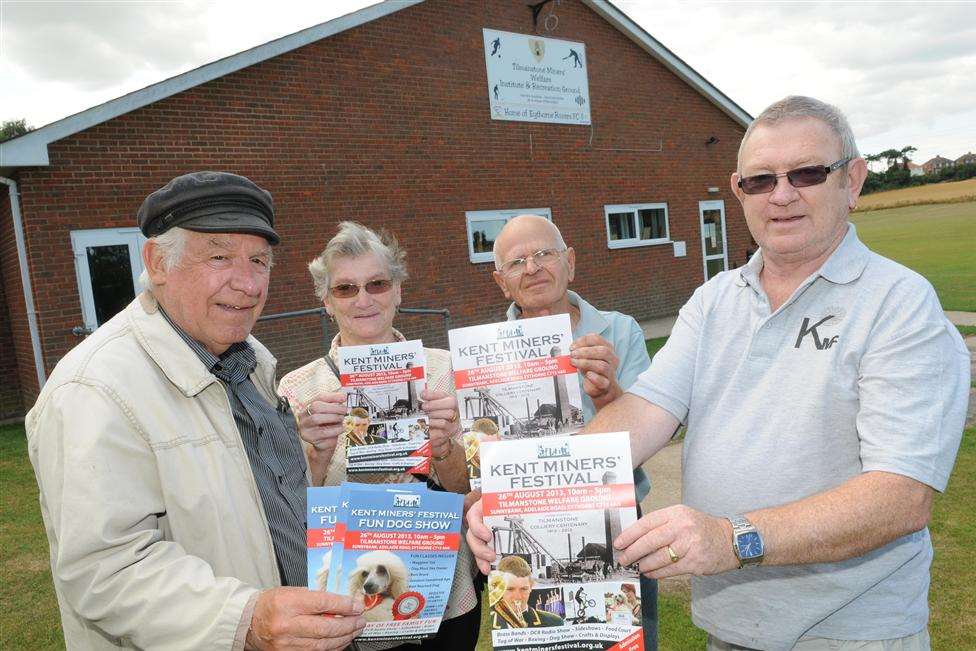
{"x":386,"y":429}
{"x":392,"y":546}
{"x":554,"y":507}
{"x":514,"y":379}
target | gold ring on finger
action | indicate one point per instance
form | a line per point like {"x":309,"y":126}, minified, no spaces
{"x":672,"y":555}
{"x":308,"y":410}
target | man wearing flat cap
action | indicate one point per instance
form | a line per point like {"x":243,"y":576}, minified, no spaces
{"x":172,"y":481}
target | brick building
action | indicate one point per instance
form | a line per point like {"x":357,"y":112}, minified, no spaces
{"x":381,"y":116}
{"x":936,"y":164}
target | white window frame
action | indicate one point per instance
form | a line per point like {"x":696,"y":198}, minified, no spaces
{"x":472,"y":217}
{"x":132,"y":237}
{"x":633,"y":208}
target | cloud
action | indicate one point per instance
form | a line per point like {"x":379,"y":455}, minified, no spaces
{"x":890,"y":66}
{"x":91,"y":45}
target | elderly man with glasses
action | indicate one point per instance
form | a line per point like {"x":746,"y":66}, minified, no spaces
{"x":824,"y":393}
{"x":533,"y":269}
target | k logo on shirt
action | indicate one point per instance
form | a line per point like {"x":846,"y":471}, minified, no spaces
{"x":807,"y":329}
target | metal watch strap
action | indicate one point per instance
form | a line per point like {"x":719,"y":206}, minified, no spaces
{"x":740,"y":525}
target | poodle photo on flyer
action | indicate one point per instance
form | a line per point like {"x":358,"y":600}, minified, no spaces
{"x":378,"y":579}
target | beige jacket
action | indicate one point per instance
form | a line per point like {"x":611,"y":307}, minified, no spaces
{"x":157,"y":533}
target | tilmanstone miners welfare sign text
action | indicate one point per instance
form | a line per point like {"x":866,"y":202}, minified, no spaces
{"x":535,"y":79}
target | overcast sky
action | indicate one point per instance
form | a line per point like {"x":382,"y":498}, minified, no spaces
{"x":905,"y":72}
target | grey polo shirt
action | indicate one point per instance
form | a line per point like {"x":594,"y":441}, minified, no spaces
{"x":859,"y":370}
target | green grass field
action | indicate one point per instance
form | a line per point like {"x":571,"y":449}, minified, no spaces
{"x":937,"y":241}
{"x":29,"y":614}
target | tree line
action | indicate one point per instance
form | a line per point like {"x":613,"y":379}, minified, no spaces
{"x":897,"y":175}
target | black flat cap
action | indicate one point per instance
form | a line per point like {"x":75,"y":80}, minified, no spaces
{"x":210,"y":202}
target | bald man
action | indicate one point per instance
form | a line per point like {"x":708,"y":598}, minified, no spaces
{"x":533,"y":268}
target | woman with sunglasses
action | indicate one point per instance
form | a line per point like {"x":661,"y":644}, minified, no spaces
{"x":357,"y":277}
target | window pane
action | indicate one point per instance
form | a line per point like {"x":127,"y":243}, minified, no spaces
{"x":653,"y":223}
{"x":714,"y":267}
{"x":712,"y":231}
{"x":111,"y":279}
{"x":621,"y":225}
{"x":483,"y":234}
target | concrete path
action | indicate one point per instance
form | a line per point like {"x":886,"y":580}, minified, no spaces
{"x":962,"y":318}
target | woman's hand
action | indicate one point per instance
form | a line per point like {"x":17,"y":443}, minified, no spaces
{"x":320,"y":421}
{"x":442,"y":419}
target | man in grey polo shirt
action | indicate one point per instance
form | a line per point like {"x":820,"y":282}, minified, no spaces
{"x":824,"y":394}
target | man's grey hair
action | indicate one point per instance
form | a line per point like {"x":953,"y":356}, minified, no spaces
{"x":796,"y":107}
{"x":352,"y":241}
{"x":559,"y":241}
{"x":171,"y":244}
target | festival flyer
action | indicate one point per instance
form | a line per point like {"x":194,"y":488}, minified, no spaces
{"x":398,"y":555}
{"x":385,"y":428}
{"x":323,"y":511}
{"x":554,"y":506}
{"x":514,"y":380}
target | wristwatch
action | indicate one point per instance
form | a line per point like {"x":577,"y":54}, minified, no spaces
{"x":746,"y":541}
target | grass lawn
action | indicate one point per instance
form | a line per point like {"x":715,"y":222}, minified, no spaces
{"x":930,"y":193}
{"x":654,"y":345}
{"x":29,"y":617}
{"x":29,"y":614}
{"x":937,"y":241}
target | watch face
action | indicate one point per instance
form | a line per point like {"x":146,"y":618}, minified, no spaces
{"x":749,"y":545}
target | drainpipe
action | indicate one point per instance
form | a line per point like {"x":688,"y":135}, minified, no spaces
{"x":25,"y":279}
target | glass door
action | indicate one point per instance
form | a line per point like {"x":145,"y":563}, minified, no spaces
{"x":715,"y":256}
{"x":108,"y":262}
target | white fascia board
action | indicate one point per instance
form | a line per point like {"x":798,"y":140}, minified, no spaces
{"x":30,"y":149}
{"x":672,"y":62}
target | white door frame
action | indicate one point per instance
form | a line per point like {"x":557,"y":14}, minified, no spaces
{"x":716,"y":204}
{"x":81,"y":240}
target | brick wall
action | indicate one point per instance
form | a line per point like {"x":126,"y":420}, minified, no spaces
{"x":388,"y":124}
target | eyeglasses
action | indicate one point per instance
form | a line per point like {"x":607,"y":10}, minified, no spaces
{"x":541,"y":258}
{"x":348,"y":290}
{"x":801,"y":177}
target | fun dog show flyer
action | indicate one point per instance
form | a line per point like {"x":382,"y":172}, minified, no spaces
{"x":554,"y":506}
{"x":395,"y":549}
{"x":386,"y":429}
{"x":514,"y":379}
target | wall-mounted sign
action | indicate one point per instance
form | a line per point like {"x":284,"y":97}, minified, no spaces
{"x":535,"y":79}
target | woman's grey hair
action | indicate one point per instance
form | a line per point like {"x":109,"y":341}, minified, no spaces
{"x":797,"y":107}
{"x":354,"y":240}
{"x":171,"y":244}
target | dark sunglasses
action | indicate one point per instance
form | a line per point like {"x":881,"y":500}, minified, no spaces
{"x":801,"y":177}
{"x":348,"y":290}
